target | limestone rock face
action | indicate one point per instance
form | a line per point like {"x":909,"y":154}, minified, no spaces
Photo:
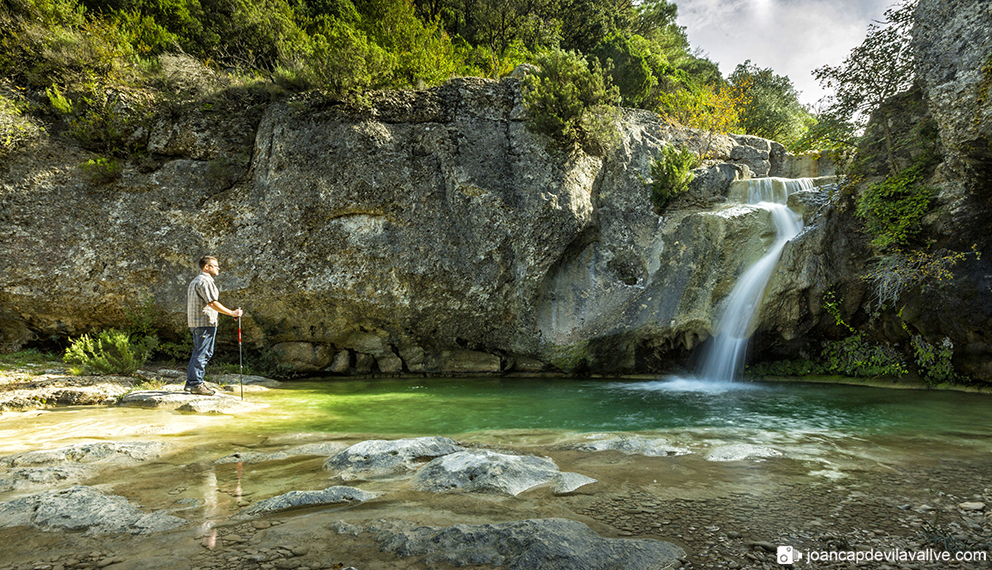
{"x":951,"y":40}
{"x":428,"y":233}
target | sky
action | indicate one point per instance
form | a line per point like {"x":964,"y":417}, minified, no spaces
{"x":793,"y":37}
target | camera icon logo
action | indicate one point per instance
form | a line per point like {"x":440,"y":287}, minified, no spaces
{"x":787,"y":555}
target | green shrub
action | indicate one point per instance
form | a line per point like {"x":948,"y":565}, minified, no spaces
{"x":892,"y":209}
{"x":671,"y":174}
{"x":178,"y":351}
{"x":934,"y":362}
{"x":855,"y":356}
{"x":102,"y":170}
{"x":58,"y":100}
{"x":113,"y":351}
{"x":571,"y":101}
{"x":15,"y":128}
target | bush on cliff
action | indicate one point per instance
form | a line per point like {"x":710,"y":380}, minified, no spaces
{"x":671,"y":174}
{"x":570,"y":100}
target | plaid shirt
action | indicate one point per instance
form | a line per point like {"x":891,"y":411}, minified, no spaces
{"x":201,"y":291}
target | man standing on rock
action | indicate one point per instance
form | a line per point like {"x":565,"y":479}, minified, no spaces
{"x":202,"y":306}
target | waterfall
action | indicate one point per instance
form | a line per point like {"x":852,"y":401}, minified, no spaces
{"x":734,"y":325}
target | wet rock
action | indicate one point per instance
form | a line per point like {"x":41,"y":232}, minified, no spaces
{"x":102,"y":452}
{"x":324,"y":448}
{"x":567,"y":482}
{"x":183,"y":402}
{"x":22,"y":478}
{"x":740,"y":451}
{"x":83,"y":508}
{"x":235,"y":380}
{"x":486,"y":471}
{"x":633,"y":445}
{"x":385,"y":458}
{"x":293,"y":499}
{"x":548,"y":544}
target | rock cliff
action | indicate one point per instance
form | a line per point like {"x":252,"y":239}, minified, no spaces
{"x":432,"y":232}
{"x":429,"y":231}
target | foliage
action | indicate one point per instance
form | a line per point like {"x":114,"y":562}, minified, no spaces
{"x":896,"y":272}
{"x":178,"y":351}
{"x":671,"y":174}
{"x":892,"y":209}
{"x":112,"y":351}
{"x":770,"y":106}
{"x":58,"y":100}
{"x":714,"y":109}
{"x":852,"y":356}
{"x":626,"y":58}
{"x":825,"y":131}
{"x":27,"y":357}
{"x":879,"y":68}
{"x":15,"y":128}
{"x":571,"y":101}
{"x":857,"y":357}
{"x":102,"y":170}
{"x":587,"y":23}
{"x":934,"y":363}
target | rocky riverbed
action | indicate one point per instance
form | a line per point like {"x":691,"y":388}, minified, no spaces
{"x":160,"y":497}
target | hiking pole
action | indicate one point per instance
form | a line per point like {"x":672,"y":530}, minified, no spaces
{"x":241,"y":368}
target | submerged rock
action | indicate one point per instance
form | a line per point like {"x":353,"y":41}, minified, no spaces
{"x":71,"y":464}
{"x":100,"y":452}
{"x":293,"y":499}
{"x":486,"y":471}
{"x":740,"y":451}
{"x":385,"y":458}
{"x":83,"y":508}
{"x":545,"y":544}
{"x":633,"y":445}
{"x":323,"y":448}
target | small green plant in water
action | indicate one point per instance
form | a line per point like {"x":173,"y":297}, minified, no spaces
{"x":112,"y":351}
{"x":671,"y":174}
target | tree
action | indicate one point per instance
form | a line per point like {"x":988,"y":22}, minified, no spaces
{"x":879,"y":68}
{"x":625,"y":60}
{"x":587,"y":23}
{"x":571,"y":101}
{"x":770,"y":104}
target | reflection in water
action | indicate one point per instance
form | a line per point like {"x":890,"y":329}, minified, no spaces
{"x":211,"y":509}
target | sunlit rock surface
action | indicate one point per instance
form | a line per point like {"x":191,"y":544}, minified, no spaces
{"x":83,"y":509}
{"x":294,"y":499}
{"x":485,"y":471}
{"x":380,"y":458}
{"x":172,"y":400}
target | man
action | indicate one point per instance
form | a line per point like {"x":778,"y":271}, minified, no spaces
{"x":202,"y":306}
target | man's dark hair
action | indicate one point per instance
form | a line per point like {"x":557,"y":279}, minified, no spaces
{"x":205,"y":260}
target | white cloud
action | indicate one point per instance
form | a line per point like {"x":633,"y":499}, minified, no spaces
{"x":793,"y":37}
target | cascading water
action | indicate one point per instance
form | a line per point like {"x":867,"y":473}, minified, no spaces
{"x":734,"y":325}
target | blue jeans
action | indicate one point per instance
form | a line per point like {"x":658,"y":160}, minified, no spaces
{"x":203,"y":349}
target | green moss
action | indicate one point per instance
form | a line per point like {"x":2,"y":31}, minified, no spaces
{"x":569,"y":358}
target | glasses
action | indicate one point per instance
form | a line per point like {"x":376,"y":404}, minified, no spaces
{"x":214,"y":265}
